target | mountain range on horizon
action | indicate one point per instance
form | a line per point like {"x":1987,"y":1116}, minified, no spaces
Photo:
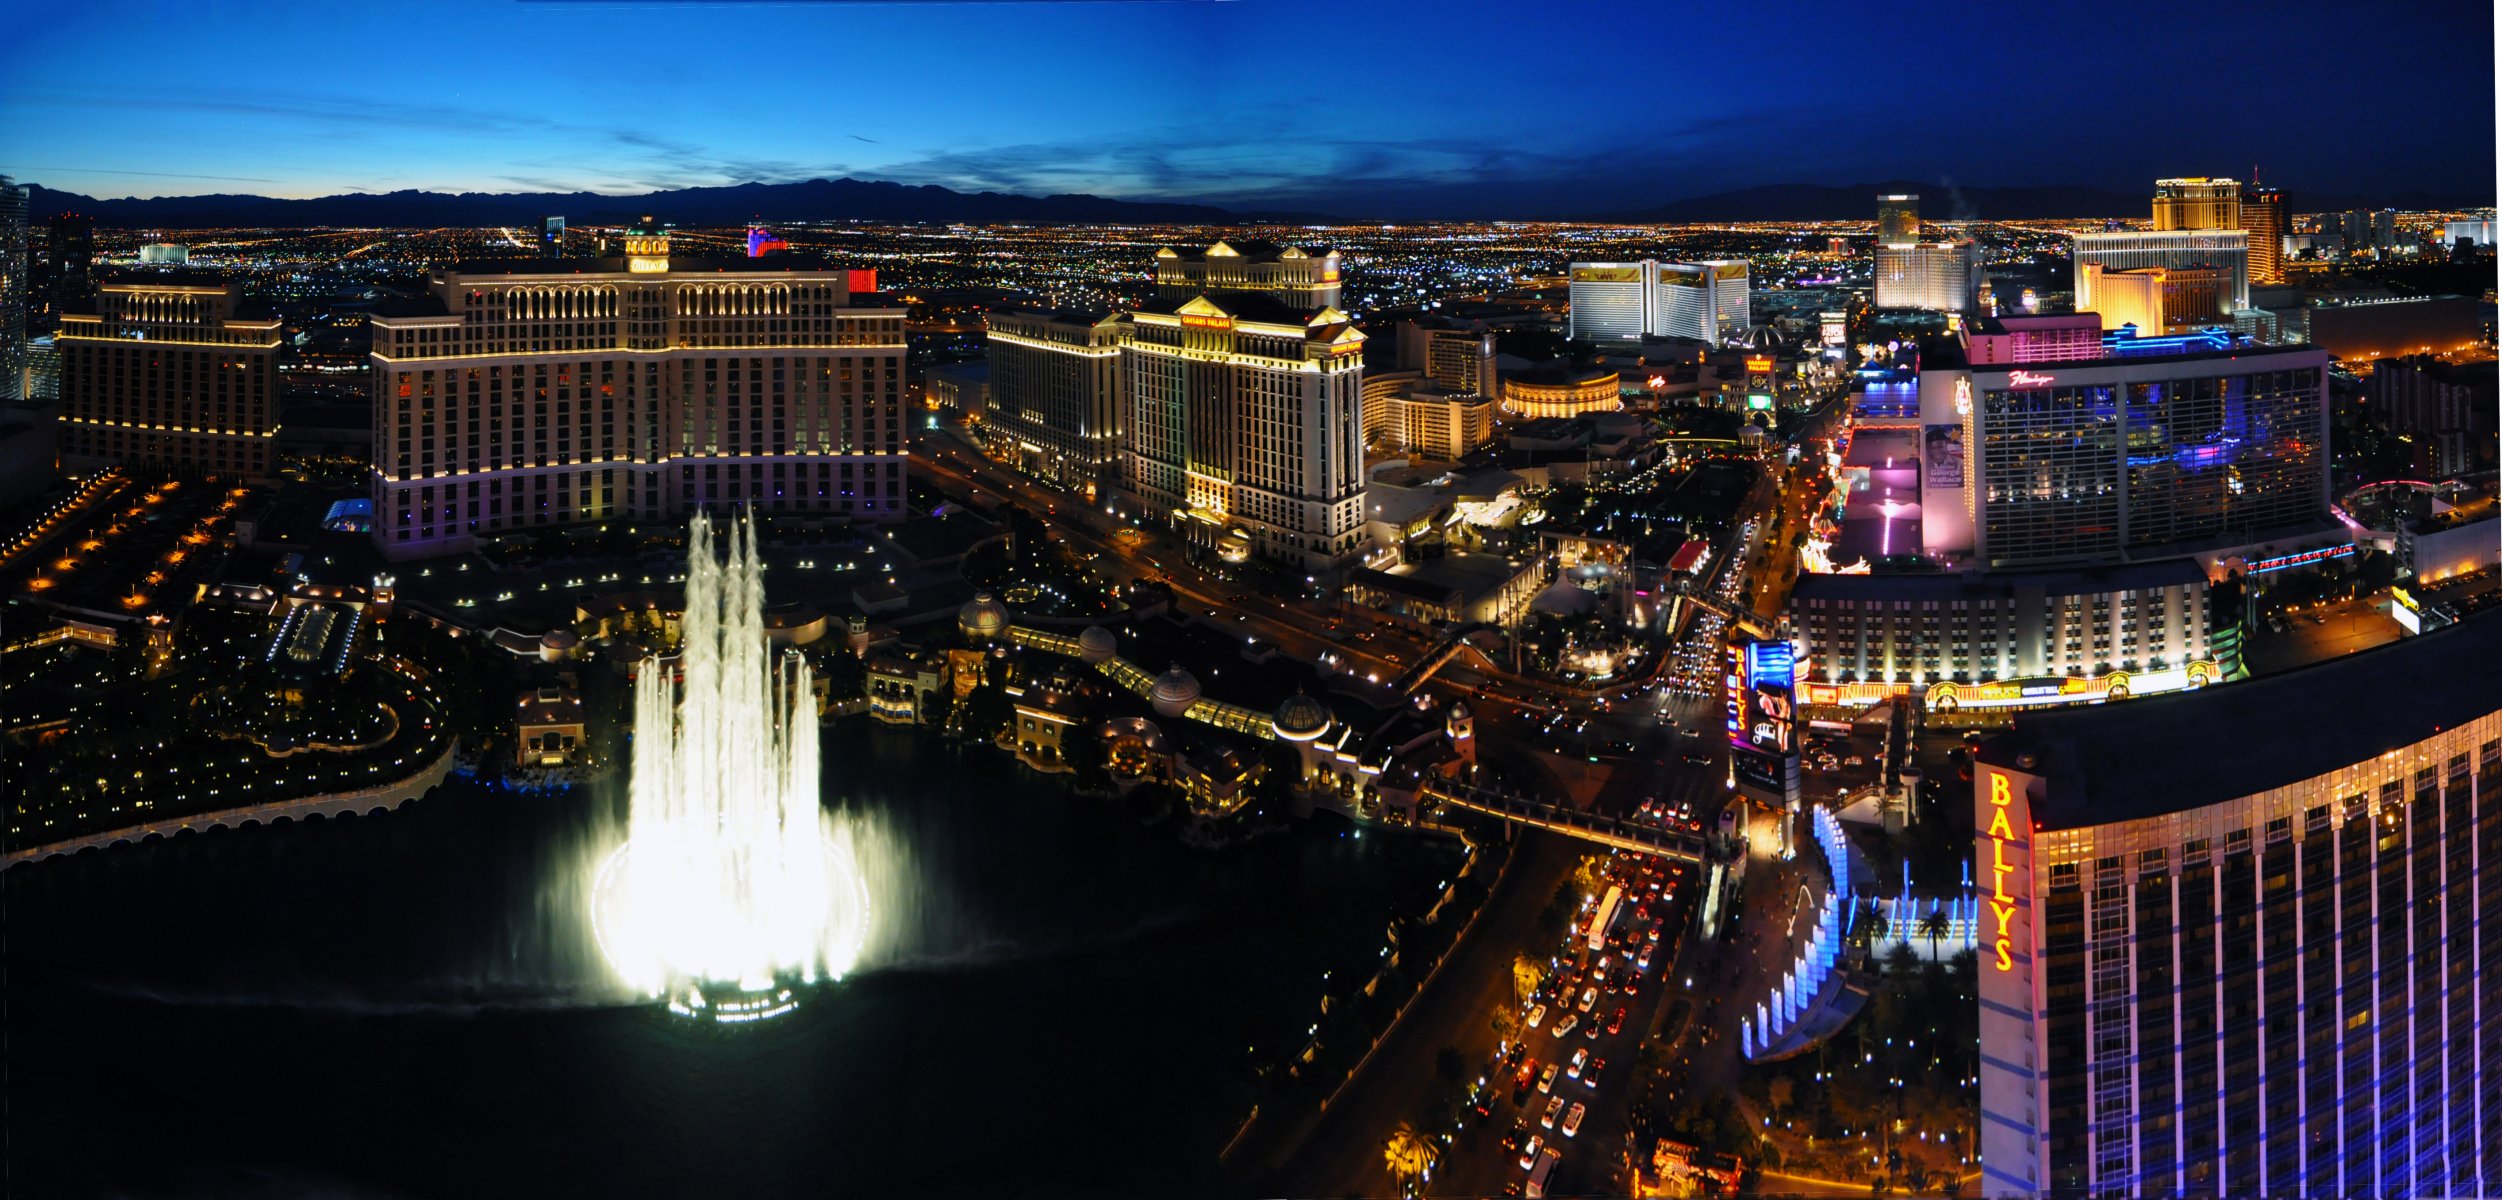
{"x":885,"y":201}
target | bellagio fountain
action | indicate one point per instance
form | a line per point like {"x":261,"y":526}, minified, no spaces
{"x":734,"y":890}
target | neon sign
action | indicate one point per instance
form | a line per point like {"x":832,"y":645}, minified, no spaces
{"x":2304,"y":559}
{"x":2027,"y":379}
{"x":1963,"y":396}
{"x":2001,"y":904}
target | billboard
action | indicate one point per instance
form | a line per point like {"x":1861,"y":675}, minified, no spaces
{"x":1941,"y":457}
{"x":1762,"y":684}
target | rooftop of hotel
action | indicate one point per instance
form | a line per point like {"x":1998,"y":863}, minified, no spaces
{"x":679,"y":264}
{"x":1943,"y":584}
{"x":1258,"y":250}
{"x":2158,"y":755}
{"x":1245,"y":306}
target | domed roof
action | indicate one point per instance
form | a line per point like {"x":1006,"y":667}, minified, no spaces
{"x":1760,"y":337}
{"x":982,"y":617}
{"x":1174,"y":692}
{"x":560,"y":639}
{"x":1302,"y":718}
{"x":1096,"y":644}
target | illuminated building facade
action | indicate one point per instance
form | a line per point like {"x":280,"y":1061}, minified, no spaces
{"x":1428,"y":421}
{"x":2060,"y":337}
{"x":1923,"y":629}
{"x":1610,"y":301}
{"x":1939,"y":276}
{"x":552,"y":237}
{"x":2132,"y":296}
{"x":1563,"y":389}
{"x":14,"y":289}
{"x":2226,"y":250}
{"x":69,"y":265}
{"x":527,"y":393}
{"x":2097,"y":460}
{"x":1303,"y":277}
{"x":1898,"y":220}
{"x":1244,"y":412}
{"x":2197,"y":203}
{"x":2272,"y":971}
{"x":1055,"y":394}
{"x":168,"y":373}
{"x":2264,"y":218}
{"x":1458,"y":355}
{"x":1709,"y":301}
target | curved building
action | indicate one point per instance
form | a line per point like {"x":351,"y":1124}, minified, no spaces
{"x":1562,"y":389}
{"x":2249,"y":942}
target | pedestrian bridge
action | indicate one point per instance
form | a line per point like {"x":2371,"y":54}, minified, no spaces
{"x":1676,"y":844}
{"x":1442,"y":653}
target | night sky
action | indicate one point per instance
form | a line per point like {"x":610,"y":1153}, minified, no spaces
{"x":1419,"y":107}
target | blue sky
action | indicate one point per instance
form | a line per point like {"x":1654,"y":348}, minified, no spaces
{"x":1463,"y":107}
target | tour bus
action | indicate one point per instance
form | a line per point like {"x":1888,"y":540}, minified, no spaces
{"x":1540,"y":1174}
{"x":1606,"y":915}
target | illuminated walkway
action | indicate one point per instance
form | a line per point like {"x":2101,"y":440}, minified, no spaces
{"x":1589,"y":827}
{"x":375,"y":800}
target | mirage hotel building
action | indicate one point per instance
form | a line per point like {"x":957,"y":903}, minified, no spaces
{"x":529,"y":393}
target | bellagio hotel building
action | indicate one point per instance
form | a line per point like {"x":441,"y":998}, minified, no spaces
{"x":531,"y":393}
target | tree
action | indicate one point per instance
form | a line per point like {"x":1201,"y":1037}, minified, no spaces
{"x":1527,"y":974}
{"x":1933,"y":927}
{"x":1408,"y":1153}
{"x":987,"y":710}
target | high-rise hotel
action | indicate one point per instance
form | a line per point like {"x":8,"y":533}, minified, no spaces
{"x":528,"y":393}
{"x":1709,"y":301}
{"x":2248,"y":941}
{"x":1242,"y":404}
{"x":168,"y":372}
{"x":1055,"y":395}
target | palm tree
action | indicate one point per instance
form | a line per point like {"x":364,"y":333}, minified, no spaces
{"x":1408,"y":1154}
{"x":1933,"y":927}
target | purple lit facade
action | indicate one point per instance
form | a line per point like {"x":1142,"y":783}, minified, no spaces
{"x":2278,"y":971}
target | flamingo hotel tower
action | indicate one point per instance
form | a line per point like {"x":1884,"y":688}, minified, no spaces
{"x":2247,"y":941}
{"x":531,"y":393}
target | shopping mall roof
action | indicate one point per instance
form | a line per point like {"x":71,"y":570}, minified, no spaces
{"x":2165,"y":754}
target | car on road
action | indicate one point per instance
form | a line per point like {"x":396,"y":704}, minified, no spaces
{"x":1529,"y":1154}
{"x":1546,"y":1082}
{"x":1572,"y":1120}
{"x":1616,"y":1024}
{"x":1591,"y":1031}
{"x":1564,"y":1026}
{"x":1536,"y":1014}
{"x":1590,"y":1074}
{"x":1589,"y":996}
{"x":1695,"y":758}
{"x":1643,"y":963}
{"x":1579,"y":1057}
{"x":1554,"y":1108}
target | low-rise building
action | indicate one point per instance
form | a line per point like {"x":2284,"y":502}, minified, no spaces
{"x":909,"y":688}
{"x":548,"y":729}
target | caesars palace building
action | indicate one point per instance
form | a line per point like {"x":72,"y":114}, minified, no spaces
{"x":2247,"y":941}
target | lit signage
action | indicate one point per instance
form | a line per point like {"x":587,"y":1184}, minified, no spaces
{"x":1759,"y":365}
{"x":2304,"y":559}
{"x":1759,"y":402}
{"x":1763,"y":717}
{"x":2073,"y":689}
{"x":2002,"y":903}
{"x":2027,"y":379}
{"x":1195,"y":322}
{"x":1963,"y":395}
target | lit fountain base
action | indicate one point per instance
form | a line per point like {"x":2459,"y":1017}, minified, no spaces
{"x":731,"y":1004}
{"x":648,"y":953}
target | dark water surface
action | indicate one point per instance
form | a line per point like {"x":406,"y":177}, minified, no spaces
{"x":408,"y":1005}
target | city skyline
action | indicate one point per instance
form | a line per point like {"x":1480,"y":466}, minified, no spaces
{"x":1068,"y":101}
